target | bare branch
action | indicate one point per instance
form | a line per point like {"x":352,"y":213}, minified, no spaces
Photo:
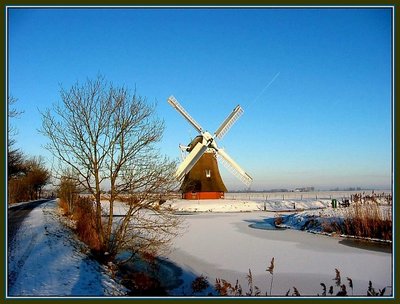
{"x":105,"y":134}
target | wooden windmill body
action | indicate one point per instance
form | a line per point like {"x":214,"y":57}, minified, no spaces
{"x":203,"y":181}
{"x":199,"y":170}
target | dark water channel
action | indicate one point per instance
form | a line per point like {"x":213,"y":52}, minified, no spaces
{"x":266,"y":224}
{"x":139,"y":272}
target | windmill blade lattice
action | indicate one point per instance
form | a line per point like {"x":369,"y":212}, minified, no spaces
{"x":232,"y":166}
{"x":173,"y":102}
{"x":191,"y":160}
{"x":228,"y":122}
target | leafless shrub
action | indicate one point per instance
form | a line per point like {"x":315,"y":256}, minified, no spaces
{"x":199,"y":284}
{"x":68,"y":192}
{"x":28,"y":184}
{"x":84,"y":215}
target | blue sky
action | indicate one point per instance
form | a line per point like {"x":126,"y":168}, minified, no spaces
{"x":315,"y":84}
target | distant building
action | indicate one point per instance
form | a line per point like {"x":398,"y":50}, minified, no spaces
{"x":304,"y":189}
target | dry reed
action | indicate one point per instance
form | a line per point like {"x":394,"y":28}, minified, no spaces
{"x":367,"y":220}
{"x":64,"y":206}
{"x":84,"y":215}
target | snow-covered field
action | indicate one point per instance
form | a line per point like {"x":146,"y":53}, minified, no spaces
{"x":257,"y":196}
{"x":224,"y":246}
{"x":218,"y":241}
{"x":242,"y":205}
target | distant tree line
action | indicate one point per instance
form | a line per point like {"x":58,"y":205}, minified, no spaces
{"x":26,"y":176}
{"x":347,"y":189}
{"x":304,"y":189}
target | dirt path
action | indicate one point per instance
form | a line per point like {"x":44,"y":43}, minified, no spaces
{"x":45,"y":259}
{"x":17,"y":214}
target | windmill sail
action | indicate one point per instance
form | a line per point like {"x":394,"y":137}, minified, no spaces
{"x":234,"y":167}
{"x":191,"y":160}
{"x":173,"y":102}
{"x":229,"y":121}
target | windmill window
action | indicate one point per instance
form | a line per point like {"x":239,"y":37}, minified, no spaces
{"x":208,"y":173}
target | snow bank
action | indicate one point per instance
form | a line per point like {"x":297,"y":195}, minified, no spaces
{"x":233,"y":205}
{"x":44,"y":259}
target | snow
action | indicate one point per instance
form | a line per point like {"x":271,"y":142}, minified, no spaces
{"x":219,"y":241}
{"x":45,"y":259}
{"x":224,"y":246}
{"x":243,"y":205}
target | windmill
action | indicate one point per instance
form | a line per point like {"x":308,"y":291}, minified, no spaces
{"x":199,"y":171}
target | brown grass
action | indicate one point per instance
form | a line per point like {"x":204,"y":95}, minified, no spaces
{"x":64,"y":206}
{"x":84,"y":215}
{"x":364,"y":220}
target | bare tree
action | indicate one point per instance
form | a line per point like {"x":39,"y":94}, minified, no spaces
{"x":68,"y":190}
{"x":107,"y":136}
{"x":15,"y":163}
{"x":29,"y":185}
{"x":12,"y":111}
{"x":37,"y":176}
{"x":26,"y":176}
{"x":15,"y":158}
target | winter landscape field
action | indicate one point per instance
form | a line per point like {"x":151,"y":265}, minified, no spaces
{"x":128,"y":125}
{"x":220,"y":239}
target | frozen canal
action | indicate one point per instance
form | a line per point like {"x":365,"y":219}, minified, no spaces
{"x":224,"y":246}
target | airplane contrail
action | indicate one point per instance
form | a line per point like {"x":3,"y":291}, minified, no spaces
{"x":266,"y":87}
